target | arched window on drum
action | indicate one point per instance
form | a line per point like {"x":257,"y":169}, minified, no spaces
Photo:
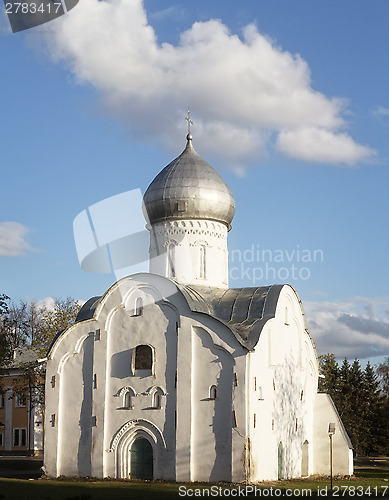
{"x":202,"y":255}
{"x":170,"y":260}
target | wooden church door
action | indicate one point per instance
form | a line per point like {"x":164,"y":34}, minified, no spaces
{"x":141,"y":459}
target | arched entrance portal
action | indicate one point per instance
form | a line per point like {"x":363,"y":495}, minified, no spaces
{"x":131,"y":450}
{"x":141,"y":459}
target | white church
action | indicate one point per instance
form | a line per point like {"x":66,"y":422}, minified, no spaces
{"x":173,"y":375}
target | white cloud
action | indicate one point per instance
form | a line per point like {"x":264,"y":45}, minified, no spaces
{"x":46,"y":303}
{"x":354,"y":328}
{"x":321,"y":145}
{"x":244,"y":89}
{"x":13,"y":239}
{"x":49,"y":303}
{"x":381,"y":111}
{"x":172,"y":12}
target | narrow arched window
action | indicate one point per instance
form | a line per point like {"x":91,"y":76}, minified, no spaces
{"x":127,"y":400}
{"x":139,"y":307}
{"x":143,"y":357}
{"x":156,"y":400}
{"x":170,"y":263}
{"x":213,"y":392}
{"x":202,"y":262}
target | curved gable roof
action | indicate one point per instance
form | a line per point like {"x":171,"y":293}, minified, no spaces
{"x":244,"y":310}
{"x":88,"y":309}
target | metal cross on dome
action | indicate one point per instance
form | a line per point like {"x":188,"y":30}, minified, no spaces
{"x":187,"y":118}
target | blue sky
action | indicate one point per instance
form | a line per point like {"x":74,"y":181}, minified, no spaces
{"x":290,"y":104}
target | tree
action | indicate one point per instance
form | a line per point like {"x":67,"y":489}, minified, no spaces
{"x":54,"y":320}
{"x":5,"y":345}
{"x":375,"y":420}
{"x":30,"y":329}
{"x":344,"y":391}
{"x":382,"y":371}
{"x":40,"y":326}
{"x":33,"y":325}
{"x":329,"y":376}
{"x":3,"y":304}
{"x":356,"y":405}
{"x":362,"y":399}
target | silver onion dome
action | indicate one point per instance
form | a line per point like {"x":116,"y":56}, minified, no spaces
{"x":189,"y":188}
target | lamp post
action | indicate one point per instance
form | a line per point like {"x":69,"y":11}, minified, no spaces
{"x":331,"y":432}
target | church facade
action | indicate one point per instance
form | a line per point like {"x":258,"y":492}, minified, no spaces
{"x":173,"y":375}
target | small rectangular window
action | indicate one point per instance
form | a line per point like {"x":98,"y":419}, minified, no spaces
{"x":20,"y":437}
{"x":2,"y":400}
{"x":23,"y":437}
{"x":16,"y":437}
{"x":182,"y":205}
{"x":20,"y":400}
{"x":1,"y":439}
{"x":255,"y":420}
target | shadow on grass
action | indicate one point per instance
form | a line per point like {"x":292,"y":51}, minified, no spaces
{"x":379,"y":473}
{"x":373,"y":475}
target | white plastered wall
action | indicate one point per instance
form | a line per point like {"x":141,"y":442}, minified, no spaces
{"x":156,"y":327}
{"x":69,"y":347}
{"x":187,"y":236}
{"x":324,"y":414}
{"x":282,"y":386}
{"x":210,"y":437}
{"x":90,"y":368}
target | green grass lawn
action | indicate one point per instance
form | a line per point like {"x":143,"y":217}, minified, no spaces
{"x":372,"y":479}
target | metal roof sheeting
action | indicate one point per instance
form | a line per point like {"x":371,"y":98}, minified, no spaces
{"x":189,"y":188}
{"x":244,"y":310}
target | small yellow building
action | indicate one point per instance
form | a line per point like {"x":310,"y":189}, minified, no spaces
{"x":21,"y":424}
